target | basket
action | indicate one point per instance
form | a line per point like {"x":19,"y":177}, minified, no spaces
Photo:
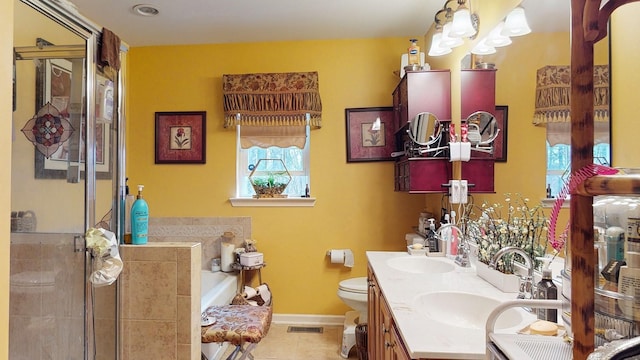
{"x":23,"y":221}
{"x":361,"y":341}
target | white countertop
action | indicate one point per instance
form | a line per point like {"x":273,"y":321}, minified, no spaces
{"x":422,"y":336}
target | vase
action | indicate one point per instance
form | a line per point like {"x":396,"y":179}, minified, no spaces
{"x":504,"y":282}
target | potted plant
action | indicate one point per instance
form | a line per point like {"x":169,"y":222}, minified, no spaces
{"x":513,"y":223}
{"x":269,"y":178}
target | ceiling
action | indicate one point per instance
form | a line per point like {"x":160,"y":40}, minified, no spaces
{"x":238,"y":21}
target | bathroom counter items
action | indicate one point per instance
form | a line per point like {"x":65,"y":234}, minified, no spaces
{"x":439,"y":309}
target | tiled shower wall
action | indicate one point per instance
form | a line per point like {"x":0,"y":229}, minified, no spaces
{"x":46,"y":322}
{"x":205,"y":230}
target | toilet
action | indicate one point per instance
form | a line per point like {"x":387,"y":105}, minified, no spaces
{"x":353,"y":292}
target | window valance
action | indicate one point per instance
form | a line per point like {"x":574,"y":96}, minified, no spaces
{"x":272,"y":99}
{"x":553,"y":94}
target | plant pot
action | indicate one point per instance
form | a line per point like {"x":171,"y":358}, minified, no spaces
{"x":504,"y":282}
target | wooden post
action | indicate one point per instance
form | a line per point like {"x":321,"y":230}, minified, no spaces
{"x":581,"y":241}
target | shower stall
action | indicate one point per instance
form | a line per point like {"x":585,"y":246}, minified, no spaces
{"x":66,"y":177}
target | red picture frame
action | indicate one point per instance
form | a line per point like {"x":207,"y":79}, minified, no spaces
{"x":364,"y":142}
{"x":181,"y":137}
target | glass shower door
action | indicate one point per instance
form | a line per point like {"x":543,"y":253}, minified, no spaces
{"x":55,"y":313}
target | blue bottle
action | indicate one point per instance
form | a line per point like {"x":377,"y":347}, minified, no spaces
{"x":139,"y":220}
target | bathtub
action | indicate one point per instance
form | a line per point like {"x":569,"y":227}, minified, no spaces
{"x":216,"y":288}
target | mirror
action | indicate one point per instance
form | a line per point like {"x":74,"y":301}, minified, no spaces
{"x":427,"y":135}
{"x":482,"y":130}
{"x":422,"y":128}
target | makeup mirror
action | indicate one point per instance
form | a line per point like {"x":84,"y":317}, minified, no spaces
{"x":482,"y":130}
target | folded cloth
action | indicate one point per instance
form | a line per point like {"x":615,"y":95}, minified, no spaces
{"x":110,"y":50}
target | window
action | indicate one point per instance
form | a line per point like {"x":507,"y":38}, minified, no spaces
{"x":559,"y":163}
{"x":295,"y":159}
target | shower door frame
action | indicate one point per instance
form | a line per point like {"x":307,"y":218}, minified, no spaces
{"x":90,"y":32}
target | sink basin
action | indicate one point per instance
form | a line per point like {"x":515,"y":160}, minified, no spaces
{"x":465,"y":310}
{"x":420,"y":265}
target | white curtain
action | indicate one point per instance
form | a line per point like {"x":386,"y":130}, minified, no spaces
{"x":560,"y":132}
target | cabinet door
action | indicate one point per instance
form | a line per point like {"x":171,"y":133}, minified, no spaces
{"x":385,"y":328}
{"x":422,"y":175}
{"x":398,"y":351}
{"x":374,"y":334}
{"x":478,"y":91}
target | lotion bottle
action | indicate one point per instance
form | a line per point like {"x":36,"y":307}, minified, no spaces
{"x":414,"y":52}
{"x":139,"y":220}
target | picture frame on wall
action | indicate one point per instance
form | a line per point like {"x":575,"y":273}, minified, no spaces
{"x":370,"y":135}
{"x":180,"y":137}
{"x":500,"y":144}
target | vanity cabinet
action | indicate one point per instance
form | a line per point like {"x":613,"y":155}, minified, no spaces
{"x":430,"y":91}
{"x":384,"y":341}
{"x":422,"y":91}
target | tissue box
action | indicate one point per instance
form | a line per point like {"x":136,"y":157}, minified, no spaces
{"x":251,"y":259}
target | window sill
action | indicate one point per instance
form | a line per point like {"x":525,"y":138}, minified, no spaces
{"x":549,"y":203}
{"x":281,"y":202}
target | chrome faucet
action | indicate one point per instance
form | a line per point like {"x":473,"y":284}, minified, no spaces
{"x":463,"y":250}
{"x":526,"y":290}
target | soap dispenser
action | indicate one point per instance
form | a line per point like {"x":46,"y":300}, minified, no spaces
{"x":139,"y":220}
{"x":547,"y":290}
{"x":432,"y":239}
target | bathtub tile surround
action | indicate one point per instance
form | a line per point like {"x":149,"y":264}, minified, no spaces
{"x":160,"y":299}
{"x":207,"y":231}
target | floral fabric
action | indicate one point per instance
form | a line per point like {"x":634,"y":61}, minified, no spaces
{"x":237,"y":324}
{"x":271,"y":99}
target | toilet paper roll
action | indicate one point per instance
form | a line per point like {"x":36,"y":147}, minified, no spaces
{"x":337,"y":256}
{"x":342,"y":256}
{"x":264,"y":292}
{"x":249,"y":292}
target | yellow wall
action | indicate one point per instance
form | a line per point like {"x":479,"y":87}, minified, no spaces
{"x":356,"y":206}
{"x":6,"y":66}
{"x":625,"y":79}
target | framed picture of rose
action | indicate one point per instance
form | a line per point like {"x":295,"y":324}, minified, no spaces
{"x":181,"y":137}
{"x":369,"y":134}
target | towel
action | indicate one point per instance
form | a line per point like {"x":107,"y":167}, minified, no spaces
{"x":110,"y":51}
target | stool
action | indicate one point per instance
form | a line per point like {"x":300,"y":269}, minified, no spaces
{"x":238,"y":325}
{"x":349,"y":333}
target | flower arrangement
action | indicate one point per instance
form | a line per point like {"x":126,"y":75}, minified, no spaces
{"x":514,"y":223}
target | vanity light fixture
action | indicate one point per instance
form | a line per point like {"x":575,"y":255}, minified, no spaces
{"x":145,"y":10}
{"x":464,"y":24}
{"x":516,"y":23}
{"x":483,"y":49}
{"x":448,"y":40}
{"x":496,"y":39}
{"x":436,"y":48}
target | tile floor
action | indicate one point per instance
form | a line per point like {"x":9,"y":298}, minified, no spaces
{"x":282,"y":345}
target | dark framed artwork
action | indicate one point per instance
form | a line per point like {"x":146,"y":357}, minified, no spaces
{"x":181,"y":137}
{"x":369,"y":134}
{"x":500,"y":144}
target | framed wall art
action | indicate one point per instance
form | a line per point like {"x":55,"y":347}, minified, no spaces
{"x":369,"y":134}
{"x":180,"y":137}
{"x":500,"y":144}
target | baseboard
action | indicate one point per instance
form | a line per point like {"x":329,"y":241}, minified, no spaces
{"x":303,"y":319}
